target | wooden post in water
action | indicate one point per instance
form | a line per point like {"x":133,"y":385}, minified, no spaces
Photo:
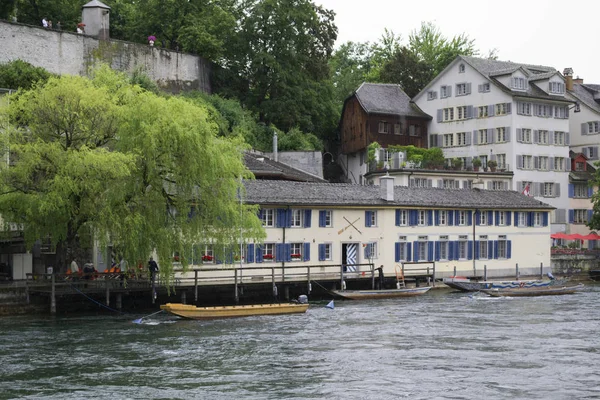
{"x":341,"y":276}
{"x":308,"y":279}
{"x":541,"y":270}
{"x":195,"y":286}
{"x":273,"y":282}
{"x":27,"y":290}
{"x":183,"y":297}
{"x":372,"y":276}
{"x":455,"y":271}
{"x":286,"y":292}
{"x":433,"y":274}
{"x":235,"y":287}
{"x":53,"y":297}
{"x":119,"y":302}
{"x":108,"y":292}
{"x":517,"y":271}
{"x":485,"y":272}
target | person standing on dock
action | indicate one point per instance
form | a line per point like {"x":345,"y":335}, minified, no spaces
{"x":74,"y":267}
{"x":153,"y":269}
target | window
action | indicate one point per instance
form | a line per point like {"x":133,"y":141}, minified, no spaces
{"x":431,"y":95}
{"x":500,"y":135}
{"x":443,"y":248}
{"x":593,"y":127}
{"x":501,"y":109}
{"x":543,"y":163}
{"x":397,"y":130}
{"x":419,"y":182}
{"x":468,"y":184}
{"x":580,"y":190}
{"x":327,"y":253}
{"x":402,"y":251}
{"x":557,"y":87}
{"x":524,"y":185}
{"x":548,"y":189}
{"x":403,"y":217}
{"x":325,"y":219}
{"x":543,"y":110}
{"x":443,"y":217}
{"x":484,"y":88}
{"x":296,"y":251}
{"x":370,"y":250}
{"x":501,"y":216}
{"x":527,"y":162}
{"x":524,"y":108}
{"x":501,"y":160}
{"x":462,"y":218}
{"x":462,"y":249}
{"x":268,"y":217}
{"x":482,"y":111}
{"x":445,"y":91}
{"x":484,"y":160}
{"x":502,"y":248}
{"x":522,"y":219}
{"x":519,"y":83}
{"x":561,"y":112}
{"x":422,"y":250}
{"x":580,"y":217}
{"x":422,"y":218}
{"x":526,"y":135}
{"x":497,"y":185}
{"x":461,"y":68}
{"x":448,"y":140}
{"x":383,"y":127}
{"x":269,"y":252}
{"x":461,"y":139}
{"x":463,"y":89}
{"x":483,"y":248}
{"x":559,"y":163}
{"x":482,"y":136}
{"x":579,"y":166}
{"x":537,"y":219}
{"x":483,"y":218}
{"x":371,"y":217}
{"x":461,"y":112}
{"x":448,"y":114}
{"x":559,"y":138}
{"x":543,"y":137}
{"x":414,"y":130}
{"x":296,"y":218}
{"x":208,"y":255}
{"x":449,"y":184}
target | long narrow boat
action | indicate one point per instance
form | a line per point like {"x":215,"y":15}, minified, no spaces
{"x":470,"y":285}
{"x":379,"y":294}
{"x":193,"y":312}
{"x":530,"y":292}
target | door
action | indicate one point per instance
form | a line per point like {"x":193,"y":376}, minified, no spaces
{"x":349,"y":256}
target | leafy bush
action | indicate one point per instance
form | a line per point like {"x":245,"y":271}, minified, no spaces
{"x":19,"y":74}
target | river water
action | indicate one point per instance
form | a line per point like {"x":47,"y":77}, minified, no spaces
{"x":442,"y":345}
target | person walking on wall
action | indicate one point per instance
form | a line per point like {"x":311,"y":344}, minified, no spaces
{"x":44,"y":22}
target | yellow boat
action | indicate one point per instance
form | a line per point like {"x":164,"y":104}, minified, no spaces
{"x":193,"y":312}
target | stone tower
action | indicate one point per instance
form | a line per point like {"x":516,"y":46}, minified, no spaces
{"x":95,"y":16}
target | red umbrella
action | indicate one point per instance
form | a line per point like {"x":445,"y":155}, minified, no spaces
{"x":560,"y":235}
{"x":591,"y":236}
{"x":576,"y":236}
{"x":80,"y":24}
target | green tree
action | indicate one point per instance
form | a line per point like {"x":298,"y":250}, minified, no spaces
{"x":68,"y":12}
{"x":350,"y":66}
{"x":19,"y":74}
{"x":101,"y":158}
{"x":406,"y":69}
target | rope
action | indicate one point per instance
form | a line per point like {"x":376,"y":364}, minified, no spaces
{"x":322,"y":287}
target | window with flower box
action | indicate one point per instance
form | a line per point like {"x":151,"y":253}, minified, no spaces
{"x":208,"y":255}
{"x":268,"y":217}
{"x":268,"y":252}
{"x":296,"y":251}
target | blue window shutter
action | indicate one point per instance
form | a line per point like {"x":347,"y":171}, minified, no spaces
{"x":496,"y":249}
{"x":457,"y":217}
{"x":229,"y":257}
{"x":490,"y":218}
{"x":437,"y":251}
{"x":412,"y":217}
{"x":306,"y":251}
{"x":281,"y":218}
{"x":250,"y":253}
{"x":545,"y":219}
{"x":451,"y":250}
{"x":516,"y":218}
{"x":368,"y":218}
{"x":530,"y":218}
{"x":321,"y":252}
{"x":437,"y":217}
{"x":408,"y":252}
{"x":261,"y":213}
{"x":307,"y":218}
{"x":322,"y":218}
{"x":470,"y":250}
{"x":477,"y":217}
{"x":218,"y":260}
{"x":590,"y":192}
{"x":288,"y":214}
{"x":429,"y":217}
{"x":490,"y":249}
{"x":571,"y":190}
{"x":279,"y":252}
{"x":259,"y":254}
{"x":439,"y":115}
{"x":287,"y":252}
{"x":498,"y":218}
{"x":397,"y":251}
{"x":415,"y":251}
{"x":590,"y":215}
{"x":508,"y":218}
{"x":469,"y":217}
{"x":571,"y":216}
{"x":477,"y":249}
{"x":429,"y":251}
{"x":397,"y":217}
{"x":450,"y":217}
{"x":508,"y":248}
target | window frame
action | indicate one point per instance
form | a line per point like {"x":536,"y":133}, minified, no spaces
{"x":268,"y":217}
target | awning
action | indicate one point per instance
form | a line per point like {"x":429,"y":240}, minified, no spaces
{"x":575,"y":236}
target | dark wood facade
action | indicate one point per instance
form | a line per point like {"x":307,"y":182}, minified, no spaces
{"x":358,"y":129}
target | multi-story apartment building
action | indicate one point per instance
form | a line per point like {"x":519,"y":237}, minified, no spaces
{"x":514,"y":114}
{"x":584,"y":125}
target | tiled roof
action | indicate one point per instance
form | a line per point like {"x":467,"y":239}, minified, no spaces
{"x":284,"y":193}
{"x":585,"y":94}
{"x":264,"y":168}
{"x":379,"y":98}
{"x":583,"y":176}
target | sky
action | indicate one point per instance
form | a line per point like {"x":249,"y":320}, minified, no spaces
{"x":552,"y":33}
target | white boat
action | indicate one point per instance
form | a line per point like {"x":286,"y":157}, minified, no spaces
{"x":471,"y":285}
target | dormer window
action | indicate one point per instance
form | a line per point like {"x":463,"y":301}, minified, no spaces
{"x":556,"y":87}
{"x":519,"y":83}
{"x":461,"y":68}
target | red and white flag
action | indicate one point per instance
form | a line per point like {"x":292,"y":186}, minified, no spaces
{"x":526,"y":190}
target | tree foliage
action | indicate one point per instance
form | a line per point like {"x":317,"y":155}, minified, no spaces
{"x":106,"y":159}
{"x":19,"y":74}
{"x":68,"y":12}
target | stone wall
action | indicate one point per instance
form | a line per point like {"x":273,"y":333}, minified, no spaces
{"x":307,"y":161}
{"x":63,"y":52}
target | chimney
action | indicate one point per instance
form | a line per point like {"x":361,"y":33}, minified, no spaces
{"x":275,"y":156}
{"x":386,"y":187}
{"x":95,"y":16}
{"x":568,"y":73}
{"x":578,"y":80}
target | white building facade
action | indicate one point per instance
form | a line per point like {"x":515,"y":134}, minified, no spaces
{"x":516,"y":115}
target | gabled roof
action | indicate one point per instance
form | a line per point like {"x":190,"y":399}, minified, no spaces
{"x":287,"y":193}
{"x":488,"y":67}
{"x":264,"y":168}
{"x":95,"y":3}
{"x":585,"y":94}
{"x":384,"y":98}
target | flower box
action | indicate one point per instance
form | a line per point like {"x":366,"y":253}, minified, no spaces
{"x":207,"y":258}
{"x":268,"y":256}
{"x":296,"y":256}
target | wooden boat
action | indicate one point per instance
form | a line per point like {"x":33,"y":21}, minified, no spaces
{"x":193,"y":312}
{"x":379,"y":294}
{"x":471,"y":285}
{"x":534,"y":291}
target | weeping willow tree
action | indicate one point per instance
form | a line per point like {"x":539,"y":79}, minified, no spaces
{"x":100,"y":158}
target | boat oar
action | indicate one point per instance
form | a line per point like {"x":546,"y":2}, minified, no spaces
{"x":139,"y":320}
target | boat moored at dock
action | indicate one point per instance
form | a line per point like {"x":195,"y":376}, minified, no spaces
{"x":193,"y":312}
{"x":380,"y":294}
